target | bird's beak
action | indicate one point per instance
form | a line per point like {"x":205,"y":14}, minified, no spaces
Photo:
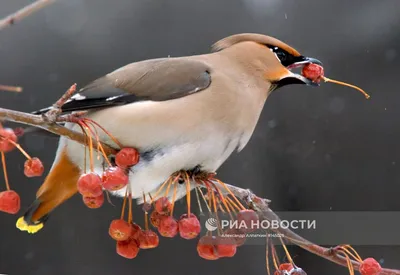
{"x":294,"y":78}
{"x":59,"y":186}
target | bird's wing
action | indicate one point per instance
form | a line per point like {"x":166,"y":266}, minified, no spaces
{"x":156,"y":80}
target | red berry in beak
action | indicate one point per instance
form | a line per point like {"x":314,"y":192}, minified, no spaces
{"x":155,"y":218}
{"x":168,"y":227}
{"x":370,"y":267}
{"x":206,"y":248}
{"x":127,"y":249}
{"x":7,"y":134}
{"x":114,"y":178}
{"x":33,"y":168}
{"x":148,"y":239}
{"x":313,"y":72}
{"x":120,"y":230}
{"x":9,"y":202}
{"x":163,"y":206}
{"x":127,"y":157}
{"x":89,"y":185}
{"x":247,"y":220}
{"x":189,"y":227}
{"x":94,"y":202}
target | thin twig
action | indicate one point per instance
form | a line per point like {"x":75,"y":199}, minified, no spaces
{"x":267,"y":214}
{"x":24,"y":12}
{"x":7,"y":88}
{"x":55,"y":111}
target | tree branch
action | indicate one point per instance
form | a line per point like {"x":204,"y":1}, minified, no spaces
{"x":24,"y":12}
{"x":8,"y":88}
{"x":261,"y":206}
{"x":48,"y":121}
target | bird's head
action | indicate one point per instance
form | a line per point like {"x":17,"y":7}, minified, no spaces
{"x":59,"y":186}
{"x":278,"y":58}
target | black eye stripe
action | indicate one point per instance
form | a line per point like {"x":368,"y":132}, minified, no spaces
{"x":285,"y":57}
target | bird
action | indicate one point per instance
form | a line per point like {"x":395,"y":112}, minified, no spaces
{"x":180,"y":113}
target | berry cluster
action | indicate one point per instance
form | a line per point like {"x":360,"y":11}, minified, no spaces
{"x":9,"y":200}
{"x":90,"y":185}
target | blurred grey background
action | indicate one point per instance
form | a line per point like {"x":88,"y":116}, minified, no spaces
{"x":320,"y":149}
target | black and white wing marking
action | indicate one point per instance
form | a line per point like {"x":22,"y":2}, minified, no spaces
{"x":155,"y":80}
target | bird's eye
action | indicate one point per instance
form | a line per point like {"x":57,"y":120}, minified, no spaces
{"x":284,"y":57}
{"x":281,"y":55}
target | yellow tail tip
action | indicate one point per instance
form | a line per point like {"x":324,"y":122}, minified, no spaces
{"x":23,"y":226}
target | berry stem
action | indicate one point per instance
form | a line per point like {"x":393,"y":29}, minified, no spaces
{"x":349,"y":252}
{"x":159,"y":189}
{"x":174,"y":198}
{"x":267,"y":255}
{"x":214,"y":201}
{"x":220,"y":195}
{"x":230,"y":192}
{"x":204,"y":198}
{"x":105,"y":131}
{"x":86,"y":129}
{"x":275,"y":258}
{"x":19,"y":148}
{"x":367,"y":96}
{"x":209,"y":196}
{"x":130,"y":208}
{"x":3,"y":161}
{"x":287,"y":252}
{"x":233,"y":203}
{"x":171,"y":183}
{"x":357,"y":256}
{"x":198,"y":199}
{"x":124,"y":204}
{"x":146,"y":215}
{"x":187,"y":180}
{"x":96,"y":135}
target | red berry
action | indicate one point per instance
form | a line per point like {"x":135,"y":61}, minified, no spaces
{"x":127,"y":157}
{"x":89,"y":185}
{"x":236,"y":236}
{"x":163,"y":205}
{"x":168,"y":227}
{"x":7,"y":134}
{"x":370,"y":267}
{"x":114,"y":178}
{"x":189,"y":227}
{"x":33,"y":168}
{"x":94,"y":202}
{"x":225,"y":249}
{"x":136,"y":233}
{"x":206,"y":248}
{"x":285,"y":267}
{"x":155,"y":218}
{"x":127,"y":249}
{"x":120,"y":230}
{"x":148,"y":239}
{"x":247,"y":220}
{"x":313,"y":71}
{"x":9,"y":202}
